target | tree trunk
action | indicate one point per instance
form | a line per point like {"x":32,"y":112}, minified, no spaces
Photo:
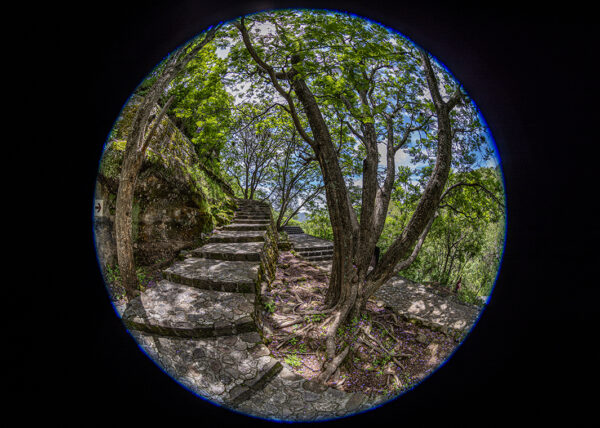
{"x":123,"y":224}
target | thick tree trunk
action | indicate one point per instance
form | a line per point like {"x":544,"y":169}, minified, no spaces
{"x":123,"y":224}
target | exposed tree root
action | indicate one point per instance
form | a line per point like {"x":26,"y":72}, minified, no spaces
{"x":375,"y":352}
{"x":333,"y":365}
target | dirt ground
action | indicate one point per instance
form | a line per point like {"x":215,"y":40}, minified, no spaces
{"x":388,"y":355}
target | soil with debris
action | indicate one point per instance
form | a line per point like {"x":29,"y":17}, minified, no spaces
{"x":388,"y":355}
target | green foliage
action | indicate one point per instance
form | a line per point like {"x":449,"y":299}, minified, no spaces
{"x":466,"y":239}
{"x":318,"y":224}
{"x":315,"y":318}
{"x":269,"y":307}
{"x":113,"y":278}
{"x":292,"y":360}
{"x":201,"y":106}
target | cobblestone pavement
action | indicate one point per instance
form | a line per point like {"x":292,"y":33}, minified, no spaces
{"x":199,"y":324}
{"x":422,"y":305}
{"x":419,"y":304}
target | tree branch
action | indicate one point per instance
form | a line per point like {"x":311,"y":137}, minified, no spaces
{"x":482,"y":187}
{"x":162,"y":113}
{"x":272,"y":74}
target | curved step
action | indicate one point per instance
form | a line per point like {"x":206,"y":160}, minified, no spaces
{"x":210,"y":274}
{"x":225,"y":369}
{"x":172,"y":309}
{"x":311,"y":253}
{"x":291,"y":397}
{"x":252,"y":220}
{"x":304,"y":249}
{"x":238,"y":236}
{"x":245,"y":226}
{"x":318,"y":258}
{"x":240,"y":251}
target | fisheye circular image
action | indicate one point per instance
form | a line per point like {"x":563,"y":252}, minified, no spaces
{"x":299,"y":215}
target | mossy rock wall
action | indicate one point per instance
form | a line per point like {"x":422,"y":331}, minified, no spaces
{"x":266,"y":272}
{"x":176,"y":200}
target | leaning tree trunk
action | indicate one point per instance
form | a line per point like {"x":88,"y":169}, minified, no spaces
{"x":124,"y":223}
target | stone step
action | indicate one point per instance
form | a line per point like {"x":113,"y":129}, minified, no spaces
{"x":303,"y":249}
{"x":257,"y":215}
{"x":293,"y":230}
{"x":211,"y":274}
{"x":305,"y":253}
{"x":291,"y":397}
{"x":249,"y":251}
{"x":241,"y":201}
{"x":253,"y":213}
{"x":252,"y":220}
{"x":225,"y":370}
{"x":318,"y":258}
{"x":245,"y":226}
{"x":176,"y":310}
{"x":254,"y":206}
{"x":237,"y":236}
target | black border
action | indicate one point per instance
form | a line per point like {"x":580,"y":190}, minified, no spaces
{"x":528,"y":359}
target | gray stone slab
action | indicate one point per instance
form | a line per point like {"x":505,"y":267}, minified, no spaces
{"x":238,"y":236}
{"x":416,"y":303}
{"x":218,"y":369}
{"x":290,"y":397}
{"x":317,"y":258}
{"x":245,"y":226}
{"x":305,"y":242}
{"x":210,"y":274}
{"x":316,"y":253}
{"x":179,"y":310}
{"x":251,"y":220}
{"x":249,"y":251}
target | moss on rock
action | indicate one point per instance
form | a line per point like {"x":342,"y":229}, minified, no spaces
{"x":175,"y":198}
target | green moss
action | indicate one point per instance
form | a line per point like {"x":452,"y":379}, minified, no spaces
{"x":171,"y":175}
{"x":135,"y":220}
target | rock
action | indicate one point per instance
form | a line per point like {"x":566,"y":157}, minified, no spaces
{"x":421,"y":338}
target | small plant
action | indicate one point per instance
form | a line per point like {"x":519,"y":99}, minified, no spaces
{"x":293,"y":341}
{"x":112,"y":274}
{"x":316,"y":318}
{"x":292,"y":360}
{"x":269,"y":307}
{"x":142,"y":276}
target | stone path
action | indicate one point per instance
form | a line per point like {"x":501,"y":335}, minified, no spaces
{"x":421,"y":305}
{"x":201,"y":324}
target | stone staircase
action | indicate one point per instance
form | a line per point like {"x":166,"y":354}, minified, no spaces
{"x":292,"y":230}
{"x":202,"y":325}
{"x":311,"y":248}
